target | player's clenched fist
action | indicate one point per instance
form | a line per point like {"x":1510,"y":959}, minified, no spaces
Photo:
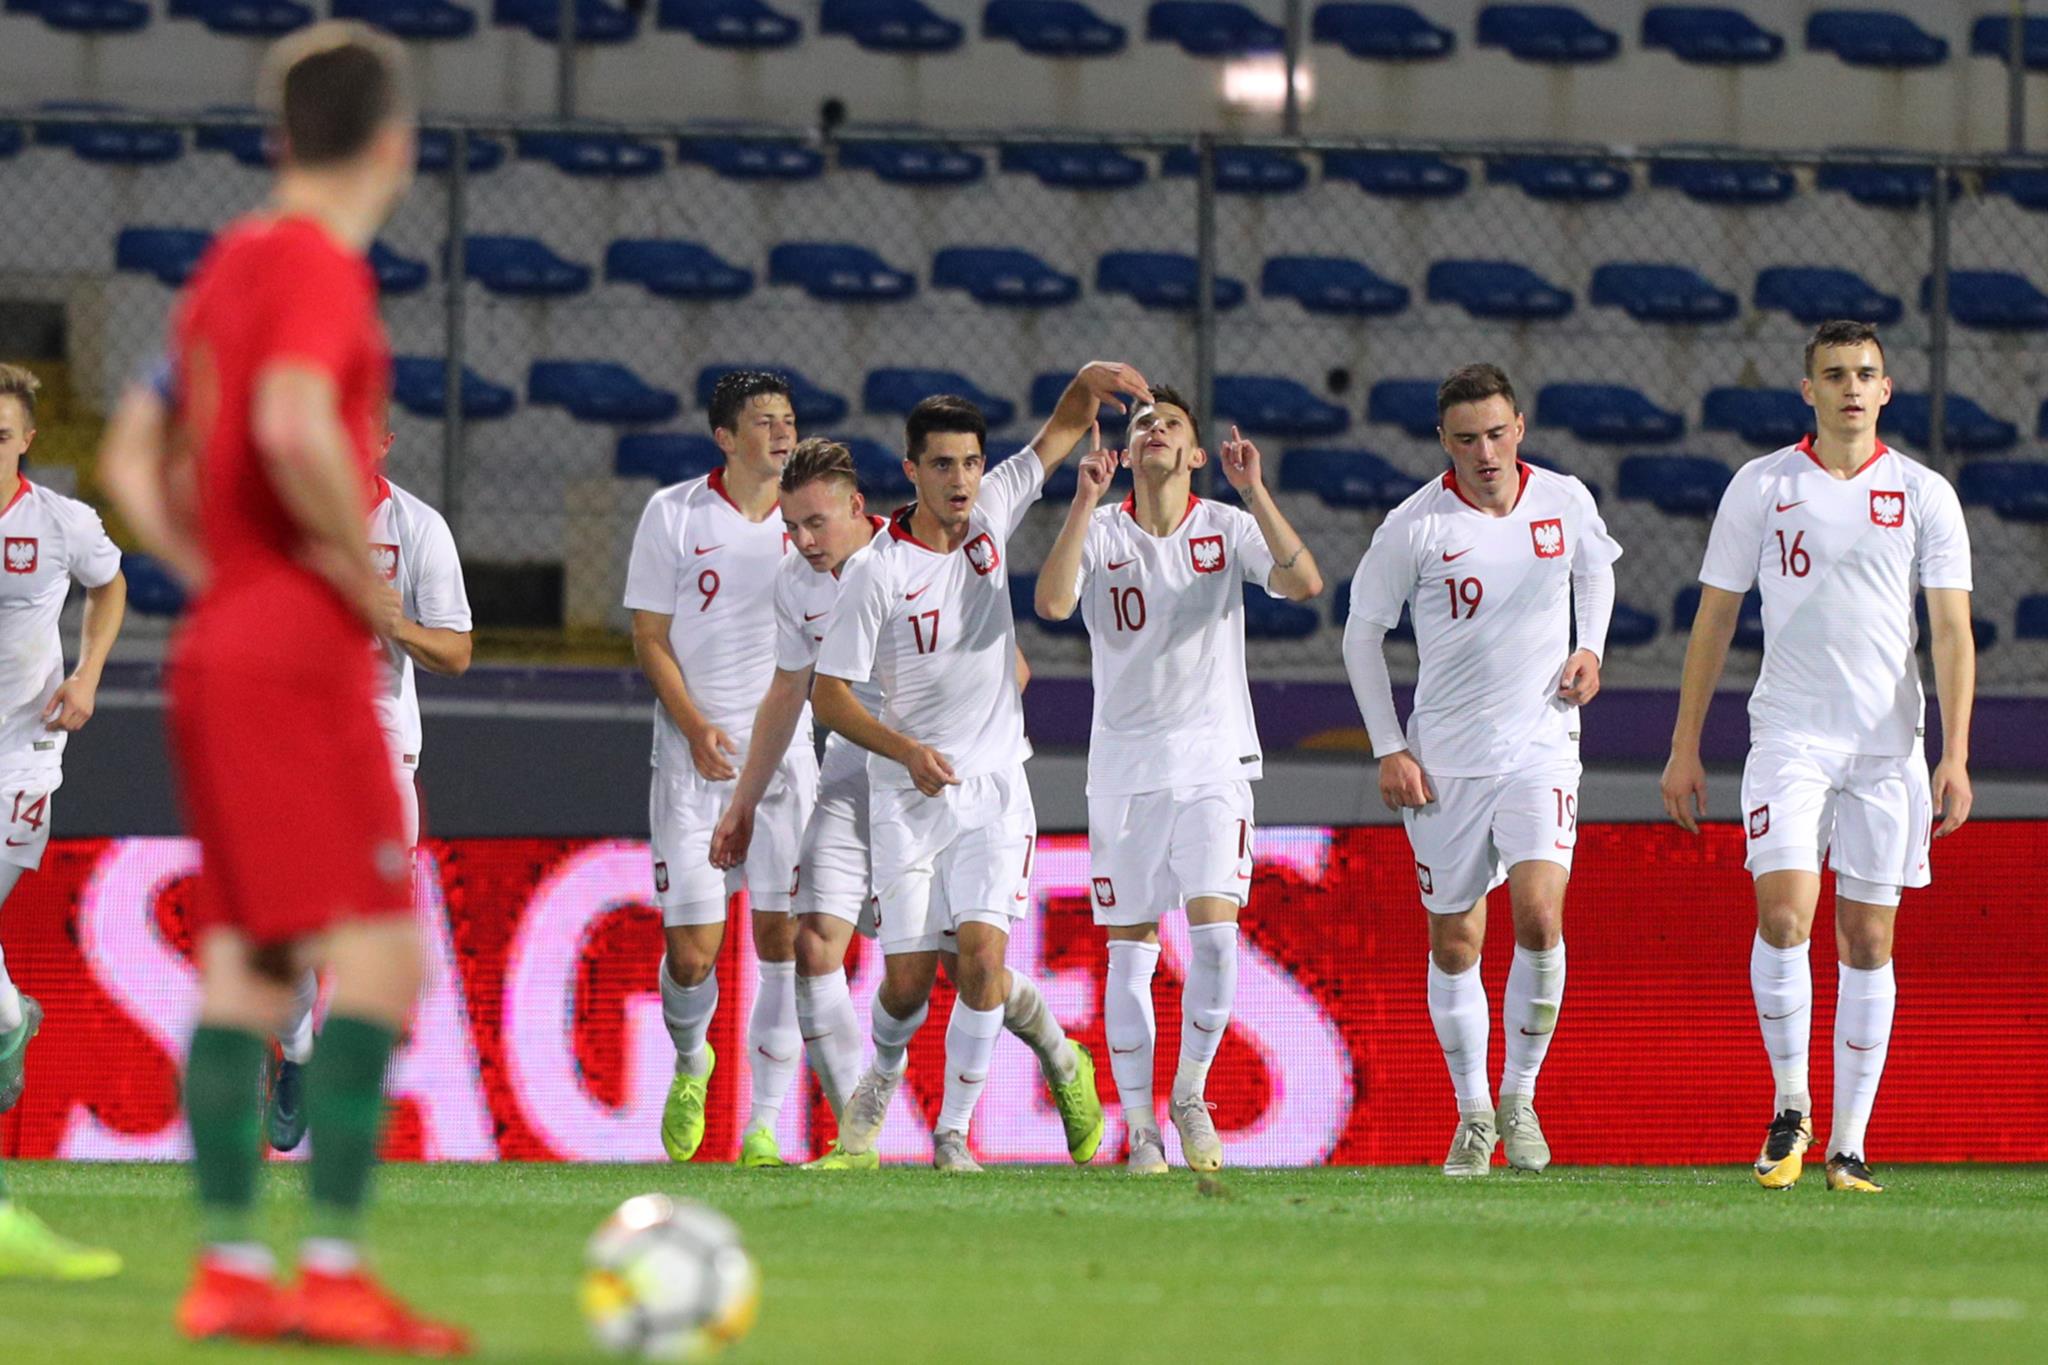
{"x":1581,"y":680}
{"x":711,"y":749}
{"x":930,"y":770}
{"x":1684,"y":787}
{"x":1403,"y":784}
{"x":735,"y":832}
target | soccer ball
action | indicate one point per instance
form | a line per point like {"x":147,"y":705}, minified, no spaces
{"x":668,"y":1280}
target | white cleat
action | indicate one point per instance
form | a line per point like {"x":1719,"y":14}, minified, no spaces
{"x":861,"y":1125}
{"x":1471,"y":1153}
{"x":1148,"y":1153}
{"x":1520,"y":1134}
{"x":950,"y":1154}
{"x":1198,"y":1141}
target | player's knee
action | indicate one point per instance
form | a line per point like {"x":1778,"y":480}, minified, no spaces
{"x":1540,"y":927}
{"x":1454,"y":956}
{"x":1863,"y":942}
{"x":688,"y":964}
{"x":775,"y":937}
{"x":817,"y":954}
{"x":1781,"y":925}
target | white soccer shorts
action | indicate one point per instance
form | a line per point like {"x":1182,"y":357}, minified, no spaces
{"x":1478,"y":827}
{"x":406,"y":776}
{"x":1873,"y":816}
{"x":684,"y":810}
{"x":835,"y":875}
{"x":961,"y":857}
{"x":1156,"y":851}
{"x":26,"y":803}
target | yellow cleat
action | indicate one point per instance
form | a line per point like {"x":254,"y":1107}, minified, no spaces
{"x":1080,"y":1107}
{"x":839,"y":1159}
{"x":1848,"y":1171}
{"x":682,"y":1117}
{"x":29,"y":1250}
{"x":759,"y":1149}
{"x":1783,"y":1159}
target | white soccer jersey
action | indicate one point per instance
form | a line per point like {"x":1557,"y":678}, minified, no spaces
{"x":1490,"y":598}
{"x":804,"y":602}
{"x":1838,"y":562}
{"x":698,"y":559}
{"x":935,"y":631}
{"x":1165,"y":615}
{"x":49,"y":540}
{"x":412,"y":547}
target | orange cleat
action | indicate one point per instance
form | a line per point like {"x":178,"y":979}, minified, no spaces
{"x":354,"y":1310}
{"x":225,"y":1302}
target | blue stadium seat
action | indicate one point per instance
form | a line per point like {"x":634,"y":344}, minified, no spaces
{"x":89,"y":17}
{"x":599,"y":391}
{"x":895,"y":391}
{"x":1409,"y":404}
{"x":1161,"y":279}
{"x":1203,"y":28}
{"x":676,"y":270}
{"x":1004,"y":276}
{"x":1385,"y":33}
{"x":1267,"y":617}
{"x":1982,"y":628}
{"x":1749,"y":620}
{"x":1397,"y":175}
{"x":2028,"y":189}
{"x":152,"y":589}
{"x":914,"y":163}
{"x":2003,"y":300}
{"x":905,"y":27}
{"x":596,"y":20}
{"x":838,"y":271}
{"x":1569,"y":179}
{"x":1053,"y":28}
{"x":1872,"y":37}
{"x":397,"y":274}
{"x":1332,"y":284}
{"x":1630,"y":626}
{"x":1546,"y":33}
{"x":666,"y":456}
{"x":593,"y":154}
{"x":745,"y":24}
{"x":170,"y":254}
{"x":1545,"y":462}
{"x":1709,"y":35}
{"x":1075,"y":166}
{"x":1496,"y":289}
{"x":244,"y":18}
{"x":419,"y":20}
{"x":1241,"y":170}
{"x":108,"y":144}
{"x":1988,"y":39}
{"x":1340,"y":612}
{"x":2041,"y":426}
{"x":245,"y":139}
{"x":1725,"y":182}
{"x":2015,"y":489}
{"x":2030,"y":618}
{"x":1048,"y":385}
{"x":879,"y":468}
{"x":419,"y":384}
{"x":1881,"y":186}
{"x":1607,"y":414}
{"x":437,"y":152}
{"x":1814,"y":294}
{"x":522,"y":267}
{"x":814,"y":406}
{"x":1970,"y":429}
{"x":1766,"y":418}
{"x":12,"y":139}
{"x":1023,"y":605}
{"x":1661,"y":293}
{"x":1345,"y":478}
{"x":1679,"y":485}
{"x":738,"y":158}
{"x":1268,"y":405}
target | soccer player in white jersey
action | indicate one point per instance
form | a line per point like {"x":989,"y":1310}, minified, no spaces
{"x":1174,"y":748}
{"x":701,"y":587}
{"x":925,"y":611}
{"x":828,"y":521}
{"x":1837,"y":532}
{"x":423,"y":619}
{"x":1499,"y":562}
{"x":49,"y":540}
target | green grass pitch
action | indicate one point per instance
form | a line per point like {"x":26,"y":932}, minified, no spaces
{"x":1040,"y":1265}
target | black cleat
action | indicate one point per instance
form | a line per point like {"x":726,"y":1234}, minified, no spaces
{"x":1848,"y":1171}
{"x":285,"y":1115}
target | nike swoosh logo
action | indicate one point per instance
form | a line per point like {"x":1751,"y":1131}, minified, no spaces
{"x":1786,"y":1015}
{"x":913,"y":596}
{"x":20,"y":843}
{"x":1126,"y":1051}
{"x":707,"y":549}
{"x":772,"y":1057}
{"x":1448,"y":556}
{"x":967,"y":1080}
{"x":1566,"y":847}
{"x":1788,"y":506}
{"x":812,"y":1038}
{"x":1526,"y":1034}
{"x":814,"y":615}
{"x":1854,"y":1048}
{"x":1116,"y":564}
{"x":1021,"y":895}
{"x":1198,"y":1024}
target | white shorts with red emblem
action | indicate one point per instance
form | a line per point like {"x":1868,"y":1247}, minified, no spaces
{"x":683,"y":809}
{"x":1871,"y":814}
{"x":961,"y":857}
{"x":1478,"y":827}
{"x":1155,"y":851}
{"x":26,"y":803}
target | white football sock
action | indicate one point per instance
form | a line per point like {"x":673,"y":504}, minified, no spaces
{"x":1528,"y":1016}
{"x":1457,"y":1006}
{"x":831,"y":1034}
{"x":775,"y":1047}
{"x":687,"y":1011}
{"x":1864,"y":1003}
{"x":892,"y":1036}
{"x":295,"y":1039}
{"x":1026,"y":1014}
{"x":970,"y":1045}
{"x":330,"y":1255}
{"x":1205,"y":1000}
{"x":10,"y":1000}
{"x":1782,"y":981}
{"x":1128,"y":1019}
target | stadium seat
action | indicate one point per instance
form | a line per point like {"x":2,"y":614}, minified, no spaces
{"x":12,"y":139}
{"x":1630,"y":626}
{"x":1161,"y":279}
{"x":2015,"y":489}
{"x":1569,"y":179}
{"x":419,"y":20}
{"x":1048,"y":385}
{"x":522,"y":267}
{"x":592,"y":154}
{"x":1678,"y":485}
{"x":1024,"y":606}
{"x":91,"y":17}
{"x":244,"y":18}
{"x":1241,"y":170}
{"x":437,"y":152}
{"x":1053,"y":28}
{"x":108,"y":144}
{"x":2030,"y":618}
{"x":2028,"y":189}
{"x":152,"y":589}
{"x":913,"y":163}
{"x":2041,"y":423}
{"x":1545,"y":462}
{"x":419,"y":384}
{"x":1003,"y":276}
{"x":1346,"y":478}
{"x":1881,"y":186}
{"x":1340,"y":612}
{"x":1724,"y":182}
{"x":879,"y":468}
{"x":1815,"y":294}
{"x":1397,"y":175}
{"x":397,"y":275}
{"x":904,"y":27}
{"x":1982,"y":628}
{"x":676,"y":270}
{"x":599,"y":391}
{"x":1709,"y":35}
{"x":666,"y":456}
{"x":1409,"y":404}
{"x":1546,"y":33}
{"x":244,"y":138}
{"x":1332,"y":284}
{"x":1661,"y":293}
{"x":2003,"y":300}
{"x":1766,"y":418}
{"x":1385,"y":33}
{"x":1267,"y":617}
{"x":748,"y":25}
{"x":1989,"y":34}
{"x":814,"y":406}
{"x":1496,"y":289}
{"x":838,"y":271}
{"x":170,"y":254}
{"x":894,"y":392}
{"x":1871,"y":37}
{"x":596,"y":20}
{"x":742,"y":158}
{"x":1749,"y":620}
{"x":1075,"y":166}
{"x":1209,"y":28}
{"x":1969,"y":428}
{"x":1268,"y":405}
{"x":1606,"y":414}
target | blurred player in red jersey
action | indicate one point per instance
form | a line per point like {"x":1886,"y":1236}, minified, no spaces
{"x":254,"y":484}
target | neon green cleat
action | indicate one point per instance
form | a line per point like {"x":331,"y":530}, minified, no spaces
{"x":1080,"y":1108}
{"x":759,"y":1149}
{"x":30,"y":1250}
{"x":839,"y":1159}
{"x":682,"y":1117}
{"x":13,"y":1050}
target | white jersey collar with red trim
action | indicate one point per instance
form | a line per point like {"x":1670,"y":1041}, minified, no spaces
{"x":1805,"y":447}
{"x":1130,"y":509}
{"x":19,"y":494}
{"x":1522,"y":470}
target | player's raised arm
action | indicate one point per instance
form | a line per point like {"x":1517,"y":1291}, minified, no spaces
{"x":1954,"y":647}
{"x":1295,"y":574}
{"x":1059,"y":578}
{"x":775,"y":722}
{"x":1100,"y":382}
{"x":1385,"y":579}
{"x":1684,"y":785}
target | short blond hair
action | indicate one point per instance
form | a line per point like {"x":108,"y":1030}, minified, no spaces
{"x":18,"y":383}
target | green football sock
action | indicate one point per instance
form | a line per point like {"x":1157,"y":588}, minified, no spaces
{"x":221,"y":1075}
{"x":345,"y":1111}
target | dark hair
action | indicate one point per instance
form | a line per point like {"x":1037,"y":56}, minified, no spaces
{"x":1474,"y":384}
{"x":737,"y":388}
{"x":942,"y":412}
{"x":331,"y":88}
{"x":20,"y":384}
{"x":1166,"y":393}
{"x":819,"y":458}
{"x":1841,"y":332}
